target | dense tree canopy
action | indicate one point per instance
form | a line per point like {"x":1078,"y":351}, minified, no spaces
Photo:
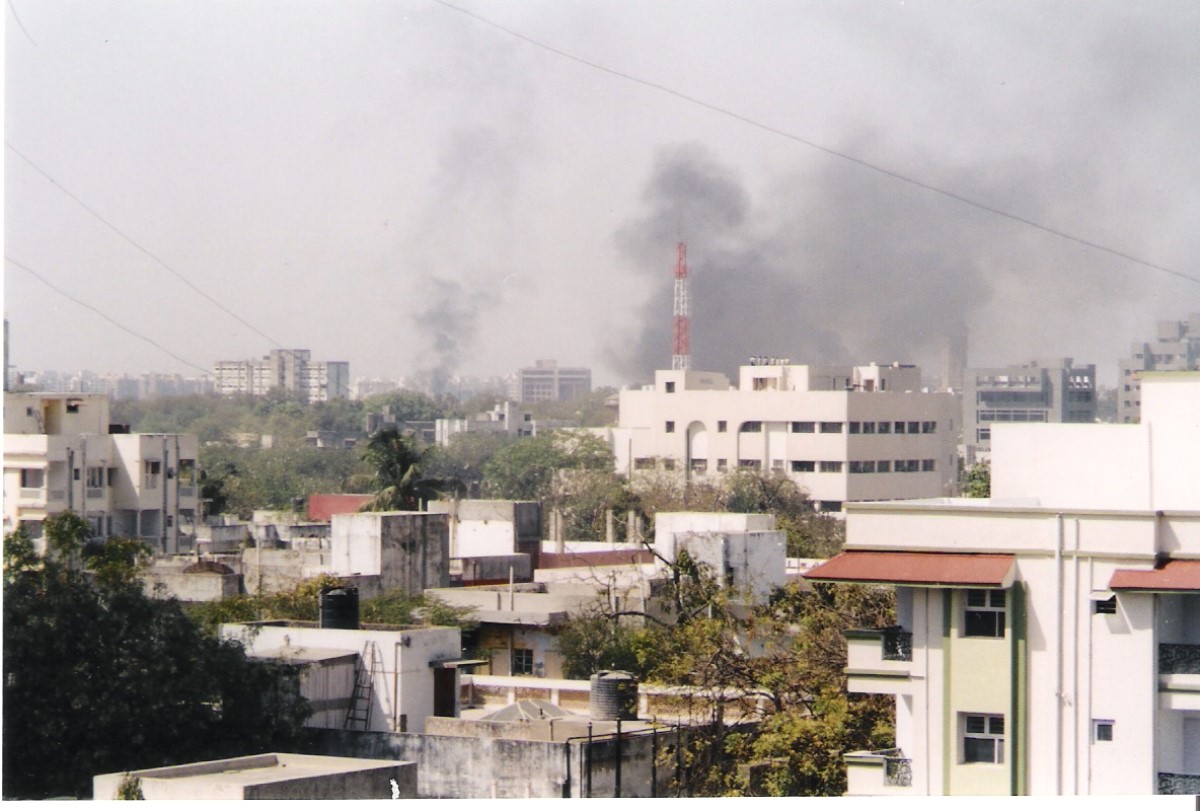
{"x":785,"y":659}
{"x":99,"y":678}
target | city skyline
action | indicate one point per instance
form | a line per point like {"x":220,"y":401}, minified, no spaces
{"x":421,"y":186}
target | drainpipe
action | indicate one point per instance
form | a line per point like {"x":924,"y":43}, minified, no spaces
{"x":70,"y":478}
{"x":1075,"y":665}
{"x":1058,"y":656}
{"x":162,"y":519}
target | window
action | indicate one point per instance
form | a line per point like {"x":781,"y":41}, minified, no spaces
{"x":722,"y":465}
{"x":33,"y":478}
{"x":883,"y":466}
{"x":151,"y":471}
{"x":926,"y":465}
{"x":862,"y":467}
{"x":750,"y":464}
{"x":831,"y":428}
{"x":754,"y":427}
{"x":898,"y":427}
{"x":668,"y":464}
{"x":985,"y":613}
{"x":868,"y":427}
{"x":1108,"y":606}
{"x":699,"y":465}
{"x":670,"y":426}
{"x":73,"y":406}
{"x":95,"y":477}
{"x":644,"y":463}
{"x":983,"y":739}
{"x":522,"y":662}
{"x":670,"y":387}
{"x":777,"y":464}
{"x":1102,"y":731}
{"x":914,"y":427}
{"x":76,"y":474}
{"x":804,"y":467}
{"x":831,"y":467}
{"x":722,"y":426}
{"x":854,"y":427}
{"x":885,"y":427}
{"x":187,"y":472}
{"x":804,"y":427}
{"x":929,"y":427}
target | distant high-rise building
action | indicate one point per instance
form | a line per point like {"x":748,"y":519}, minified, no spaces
{"x":291,"y":370}
{"x":546,"y":381}
{"x":1176,"y":348}
{"x":1041,"y":391}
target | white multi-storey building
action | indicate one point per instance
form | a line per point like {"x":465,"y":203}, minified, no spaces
{"x":546,"y":381}
{"x":61,"y":453}
{"x":290,"y":370}
{"x":1175,"y":348}
{"x":1049,"y":637}
{"x":842,"y":433}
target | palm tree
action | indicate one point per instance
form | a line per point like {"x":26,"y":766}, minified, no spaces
{"x":396,"y":461}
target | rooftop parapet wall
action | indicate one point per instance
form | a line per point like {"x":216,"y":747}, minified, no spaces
{"x":984,"y":526}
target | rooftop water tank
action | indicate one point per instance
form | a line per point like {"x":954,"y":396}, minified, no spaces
{"x":339,"y":607}
{"x":614,"y":696}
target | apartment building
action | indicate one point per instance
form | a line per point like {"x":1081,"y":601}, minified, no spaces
{"x":1175,"y":348}
{"x":546,"y":381}
{"x":291,"y":370}
{"x":1041,"y":391}
{"x":61,"y":453}
{"x":1048,"y":638}
{"x":843,"y":433}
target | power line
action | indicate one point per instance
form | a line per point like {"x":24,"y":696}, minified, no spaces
{"x":144,"y":250}
{"x":102,"y":314}
{"x":895,"y":175}
{"x":20,"y":24}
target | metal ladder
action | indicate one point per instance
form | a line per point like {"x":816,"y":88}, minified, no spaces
{"x":358,"y":715}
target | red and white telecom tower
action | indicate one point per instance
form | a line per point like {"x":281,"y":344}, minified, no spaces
{"x":681,"y":349}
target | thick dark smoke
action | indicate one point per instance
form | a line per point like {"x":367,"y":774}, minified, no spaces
{"x":449,"y":325}
{"x":846,"y":266}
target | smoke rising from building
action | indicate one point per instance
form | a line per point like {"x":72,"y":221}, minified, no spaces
{"x":839,"y":264}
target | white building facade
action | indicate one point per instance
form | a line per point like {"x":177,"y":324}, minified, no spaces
{"x":1048,"y":638}
{"x":845,"y":433}
{"x":60,"y":454}
{"x":291,"y":370}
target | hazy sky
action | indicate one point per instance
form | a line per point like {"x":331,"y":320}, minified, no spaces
{"x":406,"y":187}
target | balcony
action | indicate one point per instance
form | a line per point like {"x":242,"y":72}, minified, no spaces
{"x":1178,"y":659}
{"x":1179,"y":676}
{"x":886,"y":771}
{"x":879,"y":660}
{"x":1187,"y":784}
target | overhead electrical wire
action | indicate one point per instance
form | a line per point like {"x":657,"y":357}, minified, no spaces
{"x":146,"y":251}
{"x":102,"y":314}
{"x":895,"y":175}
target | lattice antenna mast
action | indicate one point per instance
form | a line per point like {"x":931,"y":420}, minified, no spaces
{"x":681,"y":348}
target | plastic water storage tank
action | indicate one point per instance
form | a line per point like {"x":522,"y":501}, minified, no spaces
{"x":614,"y":696}
{"x":339,"y":607}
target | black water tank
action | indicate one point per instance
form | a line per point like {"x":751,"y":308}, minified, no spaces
{"x":339,"y":607}
{"x":614,"y":696}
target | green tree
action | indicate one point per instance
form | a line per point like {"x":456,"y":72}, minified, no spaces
{"x":525,"y":470}
{"x":399,"y":484}
{"x":465,"y":458}
{"x":99,"y":678}
{"x":977,"y":481}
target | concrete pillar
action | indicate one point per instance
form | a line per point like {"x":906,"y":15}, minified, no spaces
{"x":610,"y":530}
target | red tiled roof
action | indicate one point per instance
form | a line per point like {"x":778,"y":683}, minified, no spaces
{"x":1174,"y":575}
{"x":917,"y":569}
{"x":322,"y":506}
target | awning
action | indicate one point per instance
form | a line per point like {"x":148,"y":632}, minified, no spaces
{"x":1173,"y":575}
{"x":917,"y":569}
{"x":452,"y":664}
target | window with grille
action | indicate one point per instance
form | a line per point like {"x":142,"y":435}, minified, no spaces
{"x":985,"y":613}
{"x":983,"y":738}
{"x":522,"y":662}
